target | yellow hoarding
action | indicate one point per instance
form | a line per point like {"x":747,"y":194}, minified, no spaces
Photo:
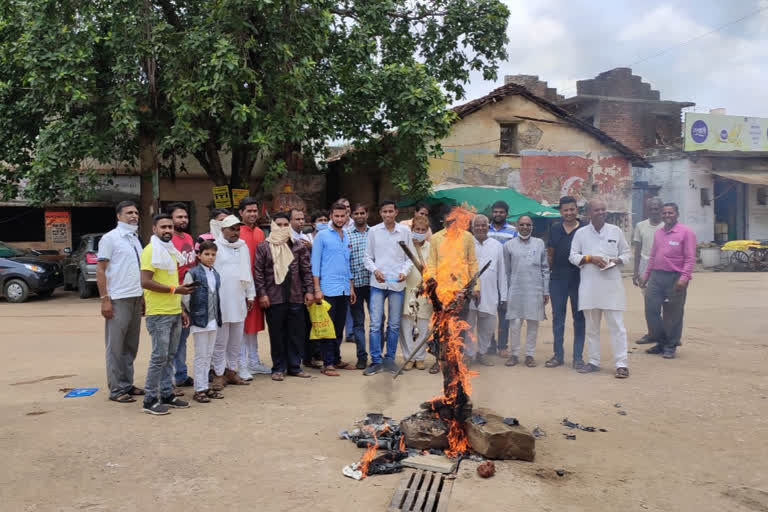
{"x":716,"y":132}
{"x":221,"y":197}
{"x":237,"y":195}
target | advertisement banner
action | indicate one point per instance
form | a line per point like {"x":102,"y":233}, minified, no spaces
{"x":238,"y":194}
{"x":221,"y":197}
{"x":716,"y":132}
{"x":57,"y":227}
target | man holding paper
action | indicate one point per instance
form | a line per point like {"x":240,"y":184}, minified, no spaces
{"x":599,"y":249}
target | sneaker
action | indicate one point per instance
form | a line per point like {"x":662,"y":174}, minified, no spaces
{"x":589,"y":368}
{"x":656,"y":349}
{"x":374,"y":369}
{"x":390,"y":365}
{"x":577,"y":364}
{"x":361,"y":364}
{"x":154,"y":406}
{"x":259,"y":368}
{"x":244,"y":374}
{"x":175,"y":402}
{"x":408,"y":366}
{"x":668,"y":354}
{"x":484,"y":360}
{"x":530,"y":362}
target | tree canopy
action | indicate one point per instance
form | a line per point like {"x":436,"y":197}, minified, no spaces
{"x":109,"y":80}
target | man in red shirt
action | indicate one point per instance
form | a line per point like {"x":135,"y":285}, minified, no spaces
{"x":186,"y":246}
{"x":670,"y":265}
{"x":254,"y":323}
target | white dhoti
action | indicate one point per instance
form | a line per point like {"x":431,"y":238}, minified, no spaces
{"x":614,"y":320}
{"x":515,"y":335}
{"x":486,"y":327}
{"x":226,"y":351}
{"x":407,"y":341}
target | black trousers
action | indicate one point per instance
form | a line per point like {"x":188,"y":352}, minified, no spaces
{"x":286,"y":336}
{"x":664,"y":309}
{"x":332,"y":348}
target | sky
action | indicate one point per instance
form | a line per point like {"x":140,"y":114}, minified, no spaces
{"x":567,"y":40}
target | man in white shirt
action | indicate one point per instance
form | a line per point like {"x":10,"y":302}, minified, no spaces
{"x":493,"y":283}
{"x":297,"y":227}
{"x":600,"y":249}
{"x":642,"y":241}
{"x":118,"y":277}
{"x":389,"y":266}
{"x":237,"y":294}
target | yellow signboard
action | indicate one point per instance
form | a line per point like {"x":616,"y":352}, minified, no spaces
{"x":238,"y":194}
{"x":221,"y":197}
{"x":716,"y":132}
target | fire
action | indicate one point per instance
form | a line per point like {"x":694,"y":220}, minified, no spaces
{"x":370,"y":453}
{"x":452,"y":273}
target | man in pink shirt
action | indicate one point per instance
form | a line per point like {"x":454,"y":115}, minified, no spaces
{"x":669,"y":271}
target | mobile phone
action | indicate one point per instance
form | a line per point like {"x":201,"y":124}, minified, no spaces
{"x":194,"y":284}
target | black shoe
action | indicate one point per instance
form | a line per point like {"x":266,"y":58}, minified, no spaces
{"x":589,"y":368}
{"x":390,"y":366}
{"x":645,"y":340}
{"x":361,"y":364}
{"x":373,"y":369}
{"x":186,"y":383}
{"x":175,"y":402}
{"x":153,"y":406}
{"x":656,"y":349}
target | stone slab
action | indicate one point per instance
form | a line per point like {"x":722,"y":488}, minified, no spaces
{"x":436,"y":463}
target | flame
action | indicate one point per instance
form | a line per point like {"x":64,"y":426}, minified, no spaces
{"x":370,"y":453}
{"x":452,"y":273}
{"x":402,"y":444}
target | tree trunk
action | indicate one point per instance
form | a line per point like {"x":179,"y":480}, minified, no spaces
{"x":209,"y":159}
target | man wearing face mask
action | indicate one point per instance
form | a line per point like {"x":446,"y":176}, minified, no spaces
{"x":283,"y":279}
{"x":525,"y":260}
{"x":237,"y":293}
{"x":119,"y":280}
{"x":319,"y":224}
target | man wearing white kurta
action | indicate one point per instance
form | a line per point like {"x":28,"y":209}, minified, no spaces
{"x":493,"y":283}
{"x":599,"y":249}
{"x":527,"y":265}
{"x":237,"y":294}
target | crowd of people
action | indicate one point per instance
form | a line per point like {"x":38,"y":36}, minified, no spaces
{"x":227,"y":285}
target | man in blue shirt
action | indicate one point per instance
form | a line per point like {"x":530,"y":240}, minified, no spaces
{"x":501,"y":231}
{"x":333,"y":282}
{"x":564,"y":284}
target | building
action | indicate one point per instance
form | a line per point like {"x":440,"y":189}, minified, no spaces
{"x":719,"y":185}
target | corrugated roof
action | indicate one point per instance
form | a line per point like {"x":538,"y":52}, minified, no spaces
{"x":513,"y":89}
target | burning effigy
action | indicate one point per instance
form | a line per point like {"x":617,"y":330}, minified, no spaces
{"x":446,"y":424}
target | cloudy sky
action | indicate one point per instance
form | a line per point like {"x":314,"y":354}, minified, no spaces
{"x":567,"y":40}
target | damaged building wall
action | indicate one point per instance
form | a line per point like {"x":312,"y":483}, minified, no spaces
{"x":552,"y":157}
{"x":680,"y":181}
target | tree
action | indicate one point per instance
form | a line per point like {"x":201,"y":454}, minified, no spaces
{"x":105,"y":80}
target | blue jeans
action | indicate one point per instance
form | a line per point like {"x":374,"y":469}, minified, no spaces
{"x":357,"y":310}
{"x":560,"y":290}
{"x":165,"y":331}
{"x":394,"y":311}
{"x":180,"y":359}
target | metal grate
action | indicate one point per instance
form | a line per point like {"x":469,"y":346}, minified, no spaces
{"x":422,"y":491}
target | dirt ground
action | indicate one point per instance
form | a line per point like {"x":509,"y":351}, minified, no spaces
{"x":695,"y":436}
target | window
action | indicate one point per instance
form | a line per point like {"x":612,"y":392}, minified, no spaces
{"x":508,"y":138}
{"x":762,"y":196}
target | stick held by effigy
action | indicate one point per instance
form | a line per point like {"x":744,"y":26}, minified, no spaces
{"x":455,"y":305}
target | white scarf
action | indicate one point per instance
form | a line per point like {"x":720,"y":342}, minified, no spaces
{"x":127,"y":228}
{"x":165,"y":256}
{"x":244,"y":267}
{"x":523,"y":237}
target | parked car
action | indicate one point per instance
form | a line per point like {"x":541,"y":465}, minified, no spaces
{"x":80,"y":266}
{"x":22,"y":273}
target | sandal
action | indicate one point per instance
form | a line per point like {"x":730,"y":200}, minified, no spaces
{"x":177,"y":392}
{"x":136,"y":391}
{"x":301,"y":374}
{"x":553,"y":363}
{"x":435,"y":368}
{"x":329,"y":371}
{"x":530,"y":362}
{"x":212,"y":393}
{"x":278,"y":376}
{"x":125,"y":398}
{"x":201,"y":396}
{"x":512,"y":361}
{"x":622,"y":373}
{"x":342,"y":365}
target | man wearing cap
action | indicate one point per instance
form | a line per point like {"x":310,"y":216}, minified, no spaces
{"x":564,"y":284}
{"x":237,"y":293}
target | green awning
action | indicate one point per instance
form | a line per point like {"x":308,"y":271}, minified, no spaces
{"x":483,"y":197}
